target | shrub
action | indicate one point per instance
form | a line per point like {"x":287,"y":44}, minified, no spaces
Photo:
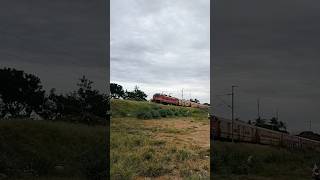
{"x":163,"y":112}
{"x":183,"y":112}
{"x":177,"y":112}
{"x":155,"y":114}
{"x":144,"y":115}
{"x":169,"y":112}
{"x":141,"y":114}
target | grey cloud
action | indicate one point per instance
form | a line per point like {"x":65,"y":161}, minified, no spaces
{"x":271,"y":50}
{"x":161,"y":44}
{"x":68,"y":36}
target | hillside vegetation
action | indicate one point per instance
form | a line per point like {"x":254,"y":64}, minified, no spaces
{"x":150,"y":110}
{"x":52,"y":150}
{"x":261,"y":162}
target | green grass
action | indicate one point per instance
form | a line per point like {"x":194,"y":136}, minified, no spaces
{"x":252,"y":161}
{"x":52,"y":150}
{"x":134,"y":153}
{"x":150,"y":110}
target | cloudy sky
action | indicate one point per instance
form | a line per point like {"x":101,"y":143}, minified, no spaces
{"x":161,"y":46}
{"x":59,"y":41}
{"x":271,"y":50}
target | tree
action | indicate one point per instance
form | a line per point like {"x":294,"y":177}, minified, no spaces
{"x":282,"y":125}
{"x":116,"y":90}
{"x":274,"y":123}
{"x":20,"y":91}
{"x":83,"y":105}
{"x":91,"y":100}
{"x":260,"y":122}
{"x":137,"y":94}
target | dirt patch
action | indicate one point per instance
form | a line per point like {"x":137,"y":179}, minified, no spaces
{"x":182,"y":131}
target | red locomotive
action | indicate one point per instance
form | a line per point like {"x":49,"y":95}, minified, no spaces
{"x":164,"y":99}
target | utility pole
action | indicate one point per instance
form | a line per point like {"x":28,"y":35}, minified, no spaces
{"x":232,"y":107}
{"x":310,"y":125}
{"x":258,"y":103}
{"x":182,"y":94}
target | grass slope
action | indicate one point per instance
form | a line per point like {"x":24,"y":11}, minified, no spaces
{"x":136,"y":153}
{"x":128,"y":108}
{"x":260,"y":162}
{"x":48,"y":150}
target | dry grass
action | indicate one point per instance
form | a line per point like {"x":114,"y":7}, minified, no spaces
{"x":159,"y":149}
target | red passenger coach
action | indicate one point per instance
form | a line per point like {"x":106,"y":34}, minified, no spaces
{"x":164,"y":99}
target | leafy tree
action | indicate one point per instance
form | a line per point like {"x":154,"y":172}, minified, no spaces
{"x":137,"y":94}
{"x":116,"y":90}
{"x":282,"y":125}
{"x":91,"y":101}
{"x":274,"y":123}
{"x":87,"y":103}
{"x":260,"y":122}
{"x":20,"y":91}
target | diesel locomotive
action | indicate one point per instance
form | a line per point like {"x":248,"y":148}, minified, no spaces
{"x":165,"y":99}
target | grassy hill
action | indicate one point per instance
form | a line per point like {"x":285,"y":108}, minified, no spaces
{"x":52,"y":150}
{"x":260,"y":162}
{"x":128,"y":108}
{"x":149,"y":145}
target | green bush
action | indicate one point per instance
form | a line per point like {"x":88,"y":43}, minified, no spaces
{"x":177,"y":112}
{"x":163,"y":112}
{"x":140,"y":115}
{"x":169,"y":112}
{"x":155,"y":114}
{"x":184,"y":112}
{"x":144,"y":115}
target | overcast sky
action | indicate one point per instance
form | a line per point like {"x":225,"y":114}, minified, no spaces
{"x":59,"y":41}
{"x":161,"y":45}
{"x":271,"y":50}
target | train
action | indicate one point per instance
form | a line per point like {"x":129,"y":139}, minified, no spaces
{"x":221,"y":129}
{"x":165,"y":99}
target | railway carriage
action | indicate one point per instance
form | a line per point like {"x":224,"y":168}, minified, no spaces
{"x":202,"y":106}
{"x":222,"y":129}
{"x":187,"y":103}
{"x":241,"y":130}
{"x":194,"y":105}
{"x":269,"y":137}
